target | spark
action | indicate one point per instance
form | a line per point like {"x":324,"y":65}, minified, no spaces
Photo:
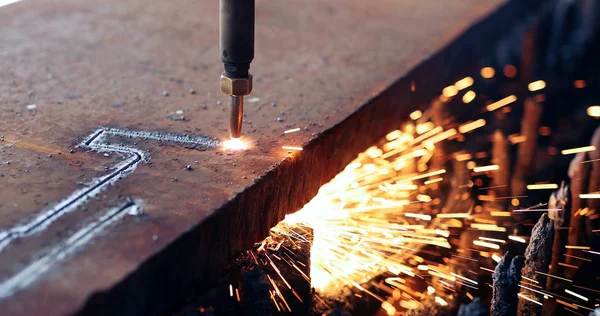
{"x":293,"y":130}
{"x":488,"y":227}
{"x":502,"y":102}
{"x":433,"y":181}
{"x":389,"y":308}
{"x":536,"y":291}
{"x":529,"y":299}
{"x":464,"y":278}
{"x":235,"y":144}
{"x":577,"y":247}
{"x":502,"y":241}
{"x":589,"y":196}
{"x":449,"y":91}
{"x":463,"y":157}
{"x":415,"y":115}
{"x":538,"y":210}
{"x":485,"y":244}
{"x":469,"y":96}
{"x":579,"y":296}
{"x":542,"y":186}
{"x":382,"y":213}
{"x":553,"y":276}
{"x":421,"y":216}
{"x":487,"y":72}
{"x":393,"y":135}
{"x":566,"y":304}
{"x":440,"y":301}
{"x":530,"y":280}
{"x":510,"y":71}
{"x":515,"y":139}
{"x":579,"y":84}
{"x":468,"y":127}
{"x":594,"y":111}
{"x":230,"y":290}
{"x":486,"y":168}
{"x":517,"y":239}
{"x":536,"y":85}
{"x":578,"y":150}
{"x":292,"y":148}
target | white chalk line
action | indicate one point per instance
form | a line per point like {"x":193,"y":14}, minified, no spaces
{"x":94,"y":142}
{"x":59,"y":252}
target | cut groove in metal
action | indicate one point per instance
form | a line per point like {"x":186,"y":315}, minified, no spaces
{"x":94,"y":142}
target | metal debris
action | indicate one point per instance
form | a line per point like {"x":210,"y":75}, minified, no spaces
{"x":506,"y":277}
{"x":537,"y":259}
{"x":178,"y":115}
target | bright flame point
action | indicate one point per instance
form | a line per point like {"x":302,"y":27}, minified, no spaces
{"x":235,"y":144}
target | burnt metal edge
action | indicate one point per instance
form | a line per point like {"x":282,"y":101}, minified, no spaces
{"x":165,"y":281}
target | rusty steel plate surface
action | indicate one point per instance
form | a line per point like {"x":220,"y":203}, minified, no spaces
{"x":108,"y":200}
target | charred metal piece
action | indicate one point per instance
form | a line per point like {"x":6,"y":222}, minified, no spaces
{"x":506,"y":278}
{"x":537,"y":259}
{"x":558,"y":200}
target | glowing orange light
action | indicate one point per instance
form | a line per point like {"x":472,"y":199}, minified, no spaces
{"x":293,"y":130}
{"x":449,"y":91}
{"x":292,"y":148}
{"x":469,"y":96}
{"x":510,"y":71}
{"x":536,"y":85}
{"x":594,"y":111}
{"x":578,"y":150}
{"x":517,"y":239}
{"x":235,"y":144}
{"x":545,"y":131}
{"x":416,"y":115}
{"x":467,"y":127}
{"x":579,"y":84}
{"x":464,"y":83}
{"x":500,"y":103}
{"x":486,"y":168}
{"x":488,"y":72}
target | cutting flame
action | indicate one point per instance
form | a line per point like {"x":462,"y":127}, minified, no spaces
{"x":235,"y":144}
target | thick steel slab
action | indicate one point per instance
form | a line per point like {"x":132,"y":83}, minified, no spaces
{"x":86,"y":64}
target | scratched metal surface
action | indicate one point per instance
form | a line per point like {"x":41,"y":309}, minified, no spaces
{"x":87,"y":64}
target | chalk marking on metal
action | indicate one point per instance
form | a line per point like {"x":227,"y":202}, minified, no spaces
{"x":94,"y":142}
{"x":59,"y":252}
{"x":124,"y":168}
